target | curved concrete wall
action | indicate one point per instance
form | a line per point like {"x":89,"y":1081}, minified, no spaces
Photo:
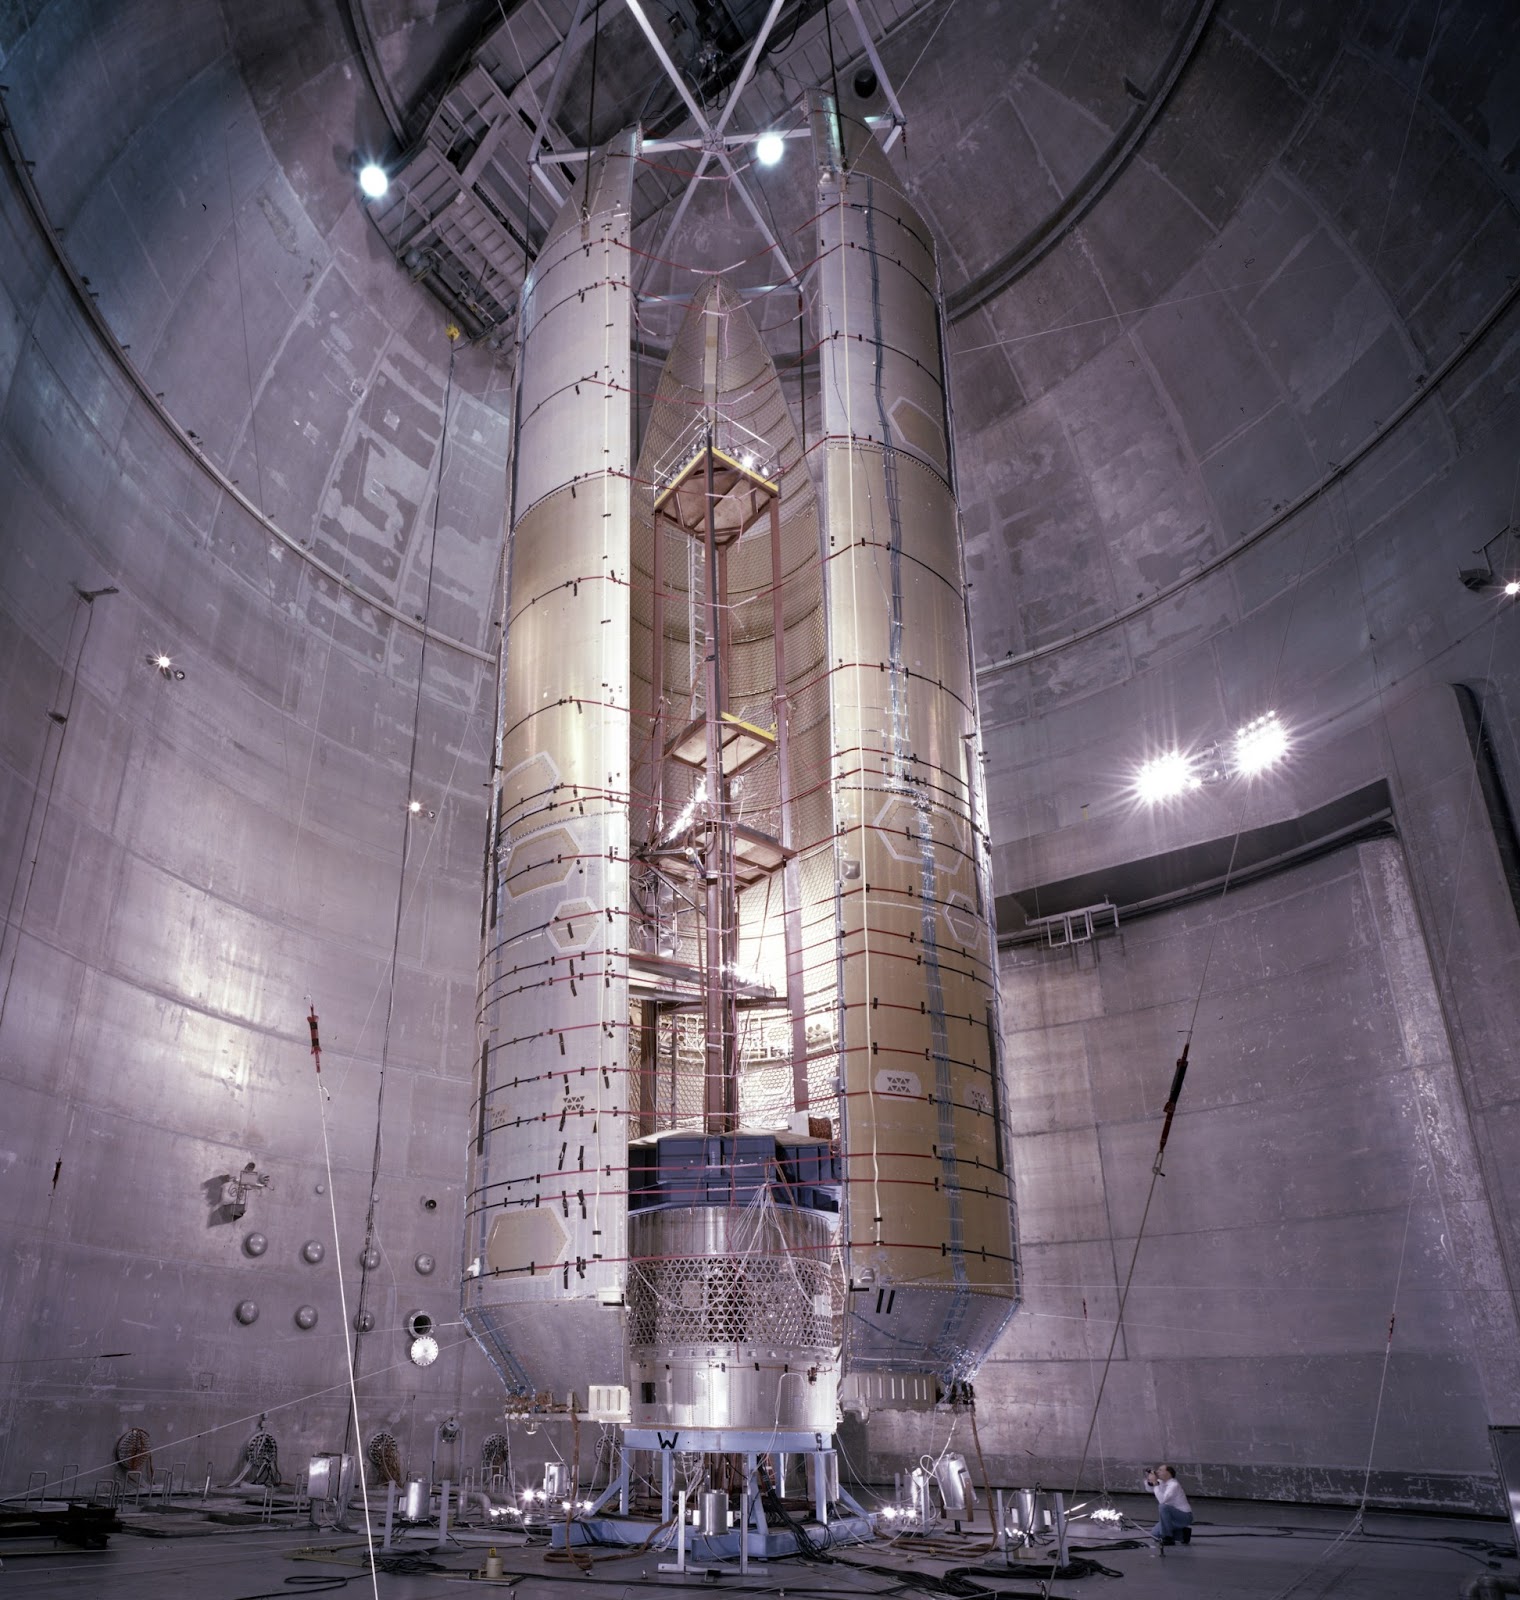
{"x":1252,"y":415}
{"x":188,"y":859}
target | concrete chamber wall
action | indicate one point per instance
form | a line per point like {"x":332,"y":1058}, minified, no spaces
{"x":189,"y":861}
{"x":1254,"y":412}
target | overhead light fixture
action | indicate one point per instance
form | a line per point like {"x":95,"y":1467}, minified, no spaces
{"x":164,"y":666}
{"x":1262,"y":743}
{"x":373,"y":180}
{"x":769,"y":148}
{"x":1165,"y":776}
{"x":1479,"y":579}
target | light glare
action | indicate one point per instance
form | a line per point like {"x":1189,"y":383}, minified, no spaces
{"x":1262,"y":743}
{"x":1164,"y":777}
{"x":1512,"y":588}
{"x":373,"y":180}
{"x":769,"y":148}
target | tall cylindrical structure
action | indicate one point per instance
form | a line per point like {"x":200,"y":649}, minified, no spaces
{"x":928,"y":1221}
{"x":739,"y":1020}
{"x":546,"y":1209}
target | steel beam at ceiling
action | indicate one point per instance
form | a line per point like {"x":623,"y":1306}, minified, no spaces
{"x":550,"y":106}
{"x":898,"y":119}
{"x":713,"y":142}
{"x":731,"y":141}
{"x":662,"y":55}
{"x":748,"y":70}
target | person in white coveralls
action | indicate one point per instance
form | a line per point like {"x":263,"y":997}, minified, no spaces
{"x":1176,"y":1521}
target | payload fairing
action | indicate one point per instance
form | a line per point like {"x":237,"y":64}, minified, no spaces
{"x":739,"y":1139}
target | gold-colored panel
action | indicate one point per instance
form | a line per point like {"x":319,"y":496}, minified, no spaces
{"x":519,"y":1240}
{"x":539,"y":861}
{"x":575,"y":923}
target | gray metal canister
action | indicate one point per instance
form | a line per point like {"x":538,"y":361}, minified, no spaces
{"x":714,"y":1511}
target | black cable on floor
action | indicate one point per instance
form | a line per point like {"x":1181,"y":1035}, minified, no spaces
{"x":304,"y":1583}
{"x":400,"y":1566}
{"x":956,"y":1583}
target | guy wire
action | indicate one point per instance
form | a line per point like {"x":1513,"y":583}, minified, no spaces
{"x":350,"y":1346}
{"x":352,"y":1336}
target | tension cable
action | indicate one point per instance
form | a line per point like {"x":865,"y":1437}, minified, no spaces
{"x":1170,"y":1109}
{"x":348,"y":1349}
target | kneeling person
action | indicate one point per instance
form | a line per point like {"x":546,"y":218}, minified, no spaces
{"x":1176,"y":1520}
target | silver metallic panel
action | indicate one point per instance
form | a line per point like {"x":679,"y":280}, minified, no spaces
{"x":928,"y":1217}
{"x":733,"y":1318}
{"x":547,"y":1203}
{"x":883,"y":378}
{"x":574,"y":363}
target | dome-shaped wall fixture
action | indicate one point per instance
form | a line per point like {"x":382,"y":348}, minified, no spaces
{"x":313,"y":1251}
{"x":306,"y":1317}
{"x":423,"y":1351}
{"x":369,"y":1259}
{"x":364,"y":1322}
{"x":255,"y":1244}
{"x":425,"y":1264}
{"x":247,"y":1312}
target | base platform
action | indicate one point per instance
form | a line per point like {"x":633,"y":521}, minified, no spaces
{"x":774,"y":1543}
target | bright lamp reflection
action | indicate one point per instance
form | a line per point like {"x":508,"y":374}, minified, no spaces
{"x":1262,"y":743}
{"x":1165,"y":776}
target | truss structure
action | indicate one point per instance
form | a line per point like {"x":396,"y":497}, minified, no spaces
{"x":472,"y":201}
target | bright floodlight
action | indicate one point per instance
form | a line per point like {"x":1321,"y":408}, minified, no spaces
{"x":1262,"y":743}
{"x":372,"y":180}
{"x":769,"y":148}
{"x":1164,"y":776}
{"x":1512,"y":588}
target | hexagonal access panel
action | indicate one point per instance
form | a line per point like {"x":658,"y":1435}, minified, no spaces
{"x":520,"y":1239}
{"x":573,"y":925}
{"x":539,"y":861}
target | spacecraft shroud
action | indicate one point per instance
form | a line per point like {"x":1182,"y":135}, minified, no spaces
{"x":739,"y":1114}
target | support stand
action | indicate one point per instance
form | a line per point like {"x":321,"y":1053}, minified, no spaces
{"x":753,"y":1538}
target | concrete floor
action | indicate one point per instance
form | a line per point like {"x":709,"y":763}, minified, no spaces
{"x":1239,"y":1549}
